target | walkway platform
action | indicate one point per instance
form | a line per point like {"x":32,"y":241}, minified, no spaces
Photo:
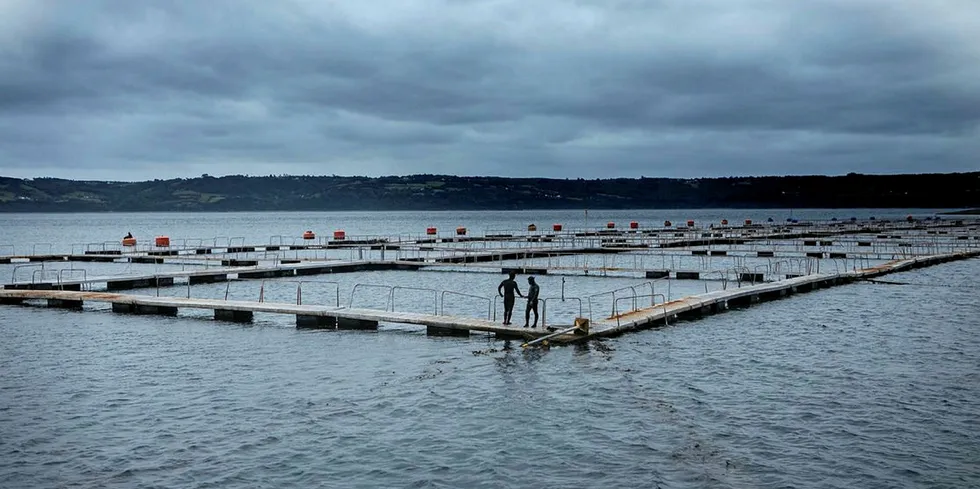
{"x":327,"y":317}
{"x":719,"y":301}
{"x":307,"y":316}
{"x":124,"y":282}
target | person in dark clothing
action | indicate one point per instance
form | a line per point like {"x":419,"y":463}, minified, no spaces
{"x":506,"y":290}
{"x":532,"y":303}
{"x":128,"y":236}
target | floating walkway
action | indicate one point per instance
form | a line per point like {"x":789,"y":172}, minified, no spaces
{"x":719,"y":301}
{"x":307,"y":316}
{"x":124,"y":282}
{"x":318,"y":316}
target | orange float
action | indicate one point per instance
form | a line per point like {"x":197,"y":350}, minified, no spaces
{"x":634,"y":225}
{"x":430,"y":231}
{"x":610,"y":225}
{"x":748,"y":222}
{"x":461,"y":231}
{"x":724,"y":222}
{"x":690,"y":223}
{"x":129,"y":241}
{"x":162,"y":241}
{"x":309,"y":235}
{"x":339,"y":235}
{"x":556,"y":227}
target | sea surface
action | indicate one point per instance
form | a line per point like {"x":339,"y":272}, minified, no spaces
{"x":864,"y":385}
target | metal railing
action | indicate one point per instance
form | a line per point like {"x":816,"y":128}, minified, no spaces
{"x":356,"y":286}
{"x":435,"y":296}
{"x":442,"y":305}
{"x":299,"y":289}
{"x":13,"y":275}
{"x":653,"y":304}
{"x":613,"y":293}
{"x":43,"y":272}
{"x":71,"y":271}
{"x":50,"y":247}
{"x":544,"y":307}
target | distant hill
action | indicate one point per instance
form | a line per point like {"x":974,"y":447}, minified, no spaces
{"x":433,"y":192}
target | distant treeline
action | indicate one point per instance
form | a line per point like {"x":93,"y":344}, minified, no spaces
{"x":436,"y":192}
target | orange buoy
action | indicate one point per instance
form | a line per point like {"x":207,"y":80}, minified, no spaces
{"x":162,"y":241}
{"x":909,"y":218}
{"x":610,"y":225}
{"x":724,"y":222}
{"x":532,"y":227}
{"x":129,"y":242}
{"x":309,"y":235}
{"x":748,"y":222}
{"x":634,"y":225}
{"x":461,"y":231}
{"x":556,"y":227}
{"x":667,"y":224}
{"x":339,"y":235}
{"x":690,"y":223}
{"x":430,"y":231}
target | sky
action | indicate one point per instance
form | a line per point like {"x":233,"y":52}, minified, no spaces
{"x":137,"y":90}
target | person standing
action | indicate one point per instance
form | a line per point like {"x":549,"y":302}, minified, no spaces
{"x":532,"y":302}
{"x":506,"y":290}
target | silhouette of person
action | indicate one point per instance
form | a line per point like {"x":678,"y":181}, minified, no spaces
{"x":128,"y":236}
{"x":532,"y":302}
{"x":506,"y":290}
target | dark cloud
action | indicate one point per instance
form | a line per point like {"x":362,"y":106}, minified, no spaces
{"x":133,"y":90}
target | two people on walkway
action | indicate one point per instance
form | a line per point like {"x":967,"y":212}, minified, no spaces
{"x":508,"y":287}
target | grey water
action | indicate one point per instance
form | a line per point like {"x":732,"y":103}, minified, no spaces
{"x":863,"y":385}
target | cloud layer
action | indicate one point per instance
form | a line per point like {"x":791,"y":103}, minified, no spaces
{"x":125,"y":89}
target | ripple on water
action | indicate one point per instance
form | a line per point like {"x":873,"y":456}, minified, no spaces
{"x":856,"y":386}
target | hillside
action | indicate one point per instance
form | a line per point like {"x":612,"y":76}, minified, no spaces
{"x":431,"y":192}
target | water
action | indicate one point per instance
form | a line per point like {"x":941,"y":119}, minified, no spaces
{"x":39,"y":233}
{"x":856,"y":386}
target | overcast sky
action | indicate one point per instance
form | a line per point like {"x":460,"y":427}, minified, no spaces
{"x":133,"y":90}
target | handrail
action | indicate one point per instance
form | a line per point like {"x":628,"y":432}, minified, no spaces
{"x":544,"y":307}
{"x":353,"y":290}
{"x":43,"y":271}
{"x":34,"y":248}
{"x":63,"y":270}
{"x":13,"y":275}
{"x":435,"y":296}
{"x":652,"y":298}
{"x":621,"y":289}
{"x":442,"y":304}
{"x":335,"y":284}
{"x":724,"y":281}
